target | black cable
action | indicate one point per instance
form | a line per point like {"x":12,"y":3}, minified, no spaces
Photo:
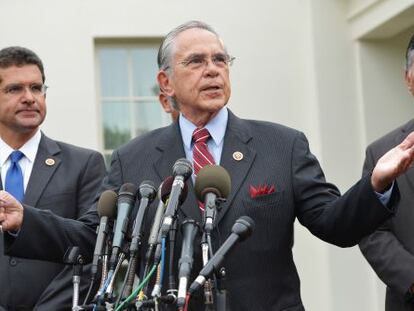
{"x":89,"y":290}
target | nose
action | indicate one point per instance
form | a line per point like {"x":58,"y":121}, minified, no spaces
{"x":28,"y":96}
{"x":211,"y":69}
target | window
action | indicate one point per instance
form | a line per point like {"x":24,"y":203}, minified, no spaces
{"x":128,"y":92}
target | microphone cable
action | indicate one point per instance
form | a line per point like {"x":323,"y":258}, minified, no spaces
{"x":136,"y":291}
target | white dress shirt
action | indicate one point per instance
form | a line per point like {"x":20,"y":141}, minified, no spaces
{"x":29,"y":149}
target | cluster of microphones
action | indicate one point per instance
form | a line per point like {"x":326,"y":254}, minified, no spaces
{"x":118,"y":243}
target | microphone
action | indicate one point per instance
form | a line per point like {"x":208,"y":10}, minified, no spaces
{"x":166,"y":191}
{"x":146,"y":194}
{"x":213,"y":182}
{"x":182,"y":170}
{"x":106,"y":211}
{"x":189,"y":230}
{"x":163,"y":193}
{"x":241,"y":230}
{"x":126,"y":200}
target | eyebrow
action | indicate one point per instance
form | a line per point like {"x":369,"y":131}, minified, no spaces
{"x":192,"y":55}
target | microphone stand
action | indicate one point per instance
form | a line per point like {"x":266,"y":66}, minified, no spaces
{"x":217,"y":300}
{"x":172,"y":284}
{"x":73,"y":257}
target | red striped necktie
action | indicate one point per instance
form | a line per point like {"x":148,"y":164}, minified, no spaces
{"x":201,"y":155}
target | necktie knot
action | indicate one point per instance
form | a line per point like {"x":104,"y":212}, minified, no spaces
{"x":15,"y":156}
{"x":201,"y":135}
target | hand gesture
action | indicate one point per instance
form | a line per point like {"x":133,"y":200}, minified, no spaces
{"x":11,"y":212}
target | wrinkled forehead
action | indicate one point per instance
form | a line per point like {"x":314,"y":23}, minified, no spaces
{"x":197,"y":41}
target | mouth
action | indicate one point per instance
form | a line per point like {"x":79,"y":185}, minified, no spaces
{"x":212,"y":87}
{"x":28,"y":111}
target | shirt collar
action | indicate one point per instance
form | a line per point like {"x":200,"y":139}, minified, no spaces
{"x":29,"y":149}
{"x":216,"y":127}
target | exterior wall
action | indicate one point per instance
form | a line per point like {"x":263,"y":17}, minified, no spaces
{"x":316,"y":65}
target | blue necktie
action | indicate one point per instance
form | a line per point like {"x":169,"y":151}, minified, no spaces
{"x":14,"y":176}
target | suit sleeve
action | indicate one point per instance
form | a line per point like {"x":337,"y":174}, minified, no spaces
{"x":393,"y":264}
{"x":340,"y":220}
{"x":59,"y":292}
{"x":58,"y":233}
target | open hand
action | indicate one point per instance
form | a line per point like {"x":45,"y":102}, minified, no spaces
{"x":393,"y":164}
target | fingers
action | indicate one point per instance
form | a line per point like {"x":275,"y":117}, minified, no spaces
{"x":11,"y":212}
{"x":408,"y":142}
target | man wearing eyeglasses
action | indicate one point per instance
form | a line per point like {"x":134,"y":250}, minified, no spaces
{"x":40,"y":172}
{"x":274,"y":180}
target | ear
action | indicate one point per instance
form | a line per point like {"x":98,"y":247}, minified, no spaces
{"x":165,"y":103}
{"x":409,"y":81}
{"x":165,"y":84}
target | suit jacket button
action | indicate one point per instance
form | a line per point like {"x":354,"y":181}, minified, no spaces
{"x":13,"y":262}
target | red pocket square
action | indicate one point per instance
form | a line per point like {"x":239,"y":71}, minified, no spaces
{"x":261,"y":190}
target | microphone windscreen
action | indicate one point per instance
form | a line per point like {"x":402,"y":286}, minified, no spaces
{"x":183,"y":167}
{"x":147,"y":190}
{"x":212,"y":178}
{"x":107,"y":204}
{"x":243,"y":227}
{"x":166,"y":190}
{"x":128,"y":189}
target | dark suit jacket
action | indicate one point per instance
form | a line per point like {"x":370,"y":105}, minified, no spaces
{"x":390,"y":249}
{"x":67,"y":188}
{"x":261,"y":274}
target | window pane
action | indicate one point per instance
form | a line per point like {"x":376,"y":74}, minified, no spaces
{"x":114,"y":72}
{"x":116,"y":122}
{"x":144,"y":71}
{"x":148,"y":116}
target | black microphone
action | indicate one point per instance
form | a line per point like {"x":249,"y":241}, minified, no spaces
{"x":106,"y":210}
{"x":212,"y":183}
{"x":166,"y":191}
{"x":182,"y":170}
{"x":189,"y":230}
{"x":146,"y":194}
{"x":241,"y":230}
{"x":126,"y":200}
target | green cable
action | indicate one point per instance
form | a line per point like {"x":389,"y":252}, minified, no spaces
{"x":135,"y":292}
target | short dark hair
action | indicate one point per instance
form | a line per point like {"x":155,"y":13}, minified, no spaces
{"x":20,"y":56}
{"x":409,"y":54}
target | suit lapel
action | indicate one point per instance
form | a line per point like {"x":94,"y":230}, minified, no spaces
{"x":236,"y":140}
{"x":171,"y":149}
{"x":46,"y":162}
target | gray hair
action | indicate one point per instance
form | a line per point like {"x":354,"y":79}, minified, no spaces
{"x":165,"y":51}
{"x":20,"y":56}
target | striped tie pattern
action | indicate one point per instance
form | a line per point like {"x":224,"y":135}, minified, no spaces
{"x":201,"y":155}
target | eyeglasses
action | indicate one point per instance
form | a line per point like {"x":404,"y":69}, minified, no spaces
{"x":198,"y":61}
{"x":36,"y":89}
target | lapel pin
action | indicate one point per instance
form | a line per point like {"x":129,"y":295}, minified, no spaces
{"x":50,"y":162}
{"x":238,"y":156}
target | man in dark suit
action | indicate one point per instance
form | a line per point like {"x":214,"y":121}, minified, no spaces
{"x":390,"y":249}
{"x":56,"y":176}
{"x":275,"y":179}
